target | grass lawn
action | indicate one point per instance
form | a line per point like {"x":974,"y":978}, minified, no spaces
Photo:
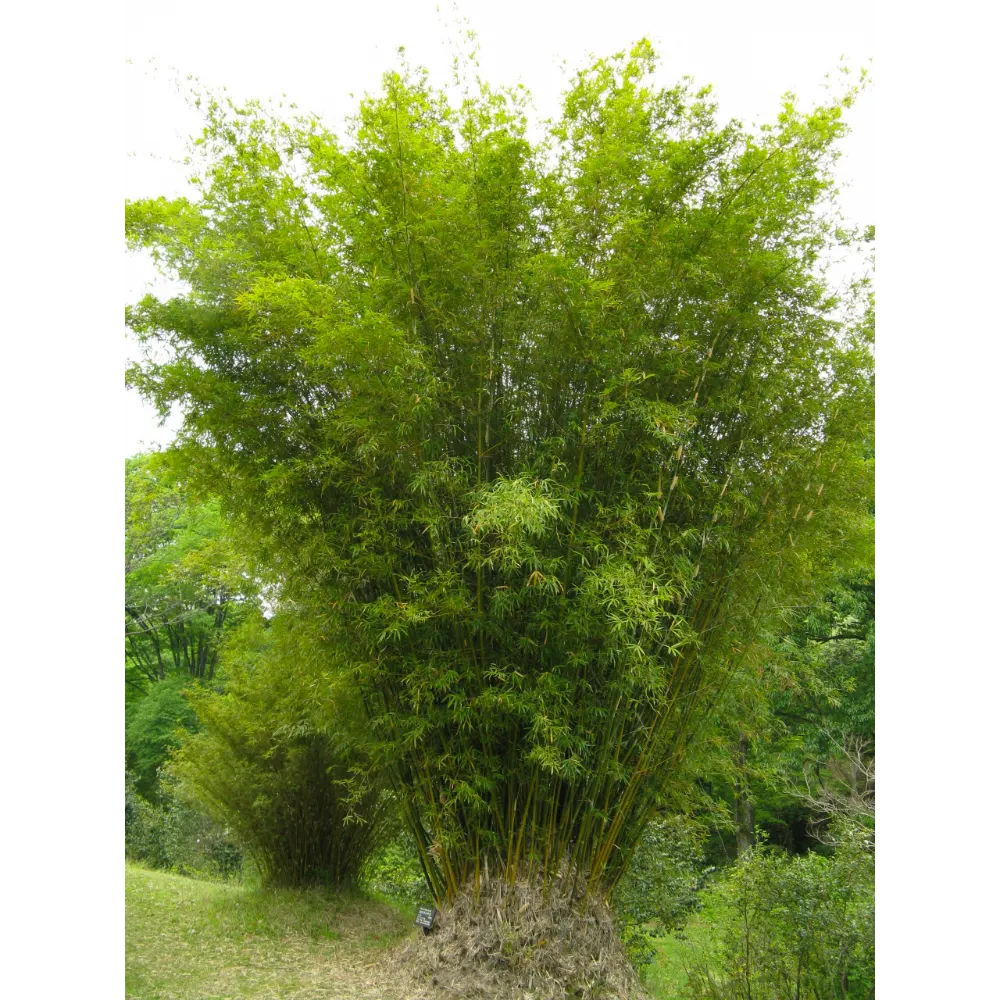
{"x":192,"y":940}
{"x":665,"y":976}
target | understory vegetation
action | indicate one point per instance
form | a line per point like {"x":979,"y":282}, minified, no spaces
{"x":514,"y":556}
{"x":800,"y":926}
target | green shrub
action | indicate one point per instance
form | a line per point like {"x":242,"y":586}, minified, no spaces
{"x":144,"y":828}
{"x":280,"y":759}
{"x":197,"y":846}
{"x":661,"y":888}
{"x":801,"y":927}
{"x":394,"y":872}
{"x":171,"y":834}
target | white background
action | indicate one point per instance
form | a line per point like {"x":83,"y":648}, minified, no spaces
{"x":927,"y":161}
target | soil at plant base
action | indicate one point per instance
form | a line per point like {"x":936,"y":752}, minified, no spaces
{"x":515,"y":942}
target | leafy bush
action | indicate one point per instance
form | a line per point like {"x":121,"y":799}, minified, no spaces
{"x":197,"y":846}
{"x":786,"y":926}
{"x":151,"y":731}
{"x":280,"y":759}
{"x":144,"y":828}
{"x":661,"y":888}
{"x":394,"y":872}
{"x":172,"y":835}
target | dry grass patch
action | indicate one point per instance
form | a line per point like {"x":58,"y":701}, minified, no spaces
{"x":513,"y":943}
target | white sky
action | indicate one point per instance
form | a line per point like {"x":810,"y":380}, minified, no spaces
{"x":318,"y":55}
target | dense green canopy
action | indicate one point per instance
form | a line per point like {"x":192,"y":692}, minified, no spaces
{"x":539,"y":435}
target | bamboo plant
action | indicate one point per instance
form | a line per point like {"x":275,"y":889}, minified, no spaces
{"x":542,"y":430}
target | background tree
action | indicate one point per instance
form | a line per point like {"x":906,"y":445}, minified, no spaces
{"x":183,"y":588}
{"x":542,"y":437}
{"x":807,"y":724}
{"x":152,"y":730}
{"x":829,"y":757}
{"x":183,"y":592}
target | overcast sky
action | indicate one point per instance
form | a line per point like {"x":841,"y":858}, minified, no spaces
{"x":318,"y":55}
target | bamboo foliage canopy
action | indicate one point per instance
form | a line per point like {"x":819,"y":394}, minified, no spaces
{"x":538,"y":432}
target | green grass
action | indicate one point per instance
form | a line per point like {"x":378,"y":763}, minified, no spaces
{"x":192,"y":940}
{"x":666,"y":975}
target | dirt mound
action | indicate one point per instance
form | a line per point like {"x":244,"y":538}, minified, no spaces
{"x":516,"y":943}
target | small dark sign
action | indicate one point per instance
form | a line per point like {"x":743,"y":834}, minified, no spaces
{"x":426,"y":916}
